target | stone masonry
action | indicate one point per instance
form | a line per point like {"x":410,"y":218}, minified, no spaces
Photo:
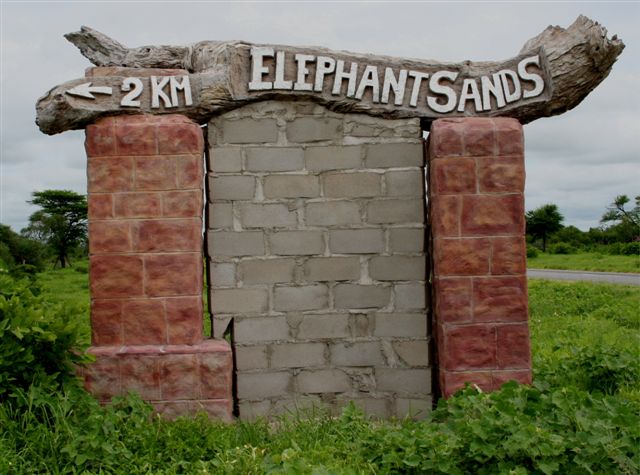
{"x":316,"y":245}
{"x":145,"y":180}
{"x":476,"y":196}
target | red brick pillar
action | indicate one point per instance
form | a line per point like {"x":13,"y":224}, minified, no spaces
{"x":476,"y":213}
{"x":145,"y":178}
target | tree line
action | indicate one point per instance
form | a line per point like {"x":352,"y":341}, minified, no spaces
{"x":57,"y":232}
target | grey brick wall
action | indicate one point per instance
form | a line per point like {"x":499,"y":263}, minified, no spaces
{"x":316,"y":244}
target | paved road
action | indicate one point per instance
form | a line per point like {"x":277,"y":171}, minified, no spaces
{"x":610,"y":277}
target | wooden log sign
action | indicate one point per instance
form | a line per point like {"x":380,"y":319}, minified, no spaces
{"x":552,"y":74}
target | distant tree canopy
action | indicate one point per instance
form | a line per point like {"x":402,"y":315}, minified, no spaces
{"x":61,"y":223}
{"x":544,"y":221}
{"x":19,"y":252}
{"x":625,"y":223}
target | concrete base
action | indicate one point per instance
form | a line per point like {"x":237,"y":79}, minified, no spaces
{"x":176,"y":379}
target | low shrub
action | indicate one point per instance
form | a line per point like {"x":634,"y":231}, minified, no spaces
{"x":532,"y":251}
{"x":631,"y":249}
{"x":561,"y":248}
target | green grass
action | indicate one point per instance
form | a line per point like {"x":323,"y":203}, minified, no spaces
{"x":589,"y":261}
{"x":581,"y":415}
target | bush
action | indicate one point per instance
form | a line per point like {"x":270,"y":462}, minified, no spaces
{"x":38,"y":341}
{"x":532,"y":251}
{"x":561,"y":248}
{"x":631,"y":249}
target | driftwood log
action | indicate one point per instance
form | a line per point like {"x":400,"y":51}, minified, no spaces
{"x":571,"y":62}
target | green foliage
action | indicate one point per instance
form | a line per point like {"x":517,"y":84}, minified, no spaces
{"x":61,"y":222}
{"x":38,"y":341}
{"x":589,"y":261}
{"x":561,"y":248}
{"x":21,"y":255}
{"x":626,"y":223}
{"x":532,"y":251}
{"x":544,"y":221}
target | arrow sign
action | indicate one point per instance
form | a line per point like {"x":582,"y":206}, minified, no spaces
{"x":85,"y":90}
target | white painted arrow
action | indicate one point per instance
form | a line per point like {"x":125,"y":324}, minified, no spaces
{"x":85,"y":90}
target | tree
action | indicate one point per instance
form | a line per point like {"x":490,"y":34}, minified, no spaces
{"x":19,"y":251}
{"x":624,"y":223}
{"x":544,"y":221}
{"x":61,"y":223}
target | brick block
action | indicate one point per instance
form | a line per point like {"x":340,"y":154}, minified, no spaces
{"x":395,"y":211}
{"x":445,"y":139}
{"x":513,"y":346}
{"x":404,"y":381}
{"x":232,"y":187}
{"x":274,"y":159}
{"x":405,"y":183}
{"x":410,"y":296}
{"x":266,"y":271}
{"x":225,"y":159}
{"x":220,"y":215}
{"x":144,"y":322}
{"x":100,"y":206}
{"x":407,"y":240}
{"x":324,"y":326}
{"x":307,"y":297}
{"x":356,"y":241}
{"x":115,"y":276}
{"x":488,"y":215}
{"x":173,"y":274}
{"x":179,"y":136}
{"x":323,"y":381}
{"x":468,"y":347}
{"x":351,"y":185}
{"x":445,"y":211}
{"x":401,"y":325}
{"x":250,"y":411}
{"x":395,"y":155}
{"x":366,"y":353}
{"x":312,"y":129}
{"x":109,"y":236}
{"x":413,"y":353}
{"x":137,"y":205}
{"x":102,"y":378}
{"x":461,"y":257}
{"x":450,"y":382}
{"x":332,"y":213}
{"x":500,"y":299}
{"x":266,"y":215}
{"x":256,"y":386}
{"x":291,"y":186}
{"x":222,"y":274}
{"x":249,"y":131}
{"x":155,"y":173}
{"x":372,"y":407}
{"x":248,"y":243}
{"x":292,"y":243}
{"x":251,"y":357}
{"x":453,"y":299}
{"x":508,"y":256}
{"x":361,"y":296}
{"x":479,"y":137}
{"x":239,"y":300}
{"x":109,"y":174}
{"x":522,"y":376}
{"x":216,"y":372}
{"x":106,"y":322}
{"x":453,"y":175}
{"x":184,"y":320}
{"x":166,"y":235}
{"x":397,"y":268}
{"x":509,"y":136}
{"x":333,"y":158}
{"x":332,"y":268}
{"x":182,"y":204}
{"x":501,"y":174}
{"x":297,"y":355}
{"x":141,"y":374}
{"x":260,"y":329}
{"x":179,"y":377}
{"x":135,"y":138}
{"x":100,"y":138}
{"x":190,"y":171}
{"x":413,"y":408}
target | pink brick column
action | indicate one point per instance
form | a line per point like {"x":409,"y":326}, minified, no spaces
{"x":145,"y":179}
{"x":476,"y":213}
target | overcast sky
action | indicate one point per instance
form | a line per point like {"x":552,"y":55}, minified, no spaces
{"x":580,"y":160}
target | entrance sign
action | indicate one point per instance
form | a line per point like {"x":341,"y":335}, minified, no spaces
{"x":552,"y":74}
